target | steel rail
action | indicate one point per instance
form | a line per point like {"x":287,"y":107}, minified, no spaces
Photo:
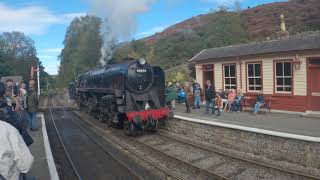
{"x":101,"y":146}
{"x":163,"y":168}
{"x":61,"y":141}
{"x":197,"y":145}
{"x":142,"y":157}
{"x":198,"y":169}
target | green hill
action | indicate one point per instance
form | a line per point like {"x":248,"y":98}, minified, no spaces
{"x":178,"y":43}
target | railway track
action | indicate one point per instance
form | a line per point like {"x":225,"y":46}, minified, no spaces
{"x":206,"y":148}
{"x":65,"y":165}
{"x":87,"y":156}
{"x":210,"y":164}
{"x":170,"y":167}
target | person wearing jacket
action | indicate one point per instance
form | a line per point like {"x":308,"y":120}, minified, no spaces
{"x":32,"y":105}
{"x":188,"y":94}
{"x":260,"y":102}
{"x":210,"y":95}
{"x":171,"y":95}
{"x":11,"y":117}
{"x":15,"y":157}
{"x":218,"y":103}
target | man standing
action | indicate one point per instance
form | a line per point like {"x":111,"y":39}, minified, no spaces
{"x":187,"y":90}
{"x":32,"y":105}
{"x":210,"y":94}
{"x":171,"y":95}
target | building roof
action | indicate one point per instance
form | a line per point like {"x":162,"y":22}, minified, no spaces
{"x":273,"y":46}
{"x":15,"y":79}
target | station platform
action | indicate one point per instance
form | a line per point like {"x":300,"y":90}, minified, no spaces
{"x":43,"y":167}
{"x":291,"y":124}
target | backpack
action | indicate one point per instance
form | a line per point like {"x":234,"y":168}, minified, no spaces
{"x":13,"y":118}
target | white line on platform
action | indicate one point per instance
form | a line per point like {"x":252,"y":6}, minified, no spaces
{"x":250,"y":129}
{"x":52,"y":167}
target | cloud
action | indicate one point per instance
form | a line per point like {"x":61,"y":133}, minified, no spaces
{"x":31,"y":19}
{"x":41,"y":57}
{"x":51,"y":66}
{"x":152,"y":31}
{"x":51,"y":50}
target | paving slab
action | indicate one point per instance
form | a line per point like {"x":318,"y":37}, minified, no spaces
{"x":40,"y":168}
{"x":280,"y":122}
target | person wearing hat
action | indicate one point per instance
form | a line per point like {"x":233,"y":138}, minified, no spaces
{"x":171,"y":95}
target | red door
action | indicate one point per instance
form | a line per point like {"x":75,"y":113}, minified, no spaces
{"x":314,"y":85}
{"x":208,"y":74}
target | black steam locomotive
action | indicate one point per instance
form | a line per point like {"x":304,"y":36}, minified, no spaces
{"x":129,"y":95}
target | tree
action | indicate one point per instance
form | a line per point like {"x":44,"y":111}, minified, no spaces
{"x":17,"y":54}
{"x":82,"y":45}
{"x":17,"y":45}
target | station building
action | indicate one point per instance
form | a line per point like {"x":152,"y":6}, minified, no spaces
{"x":286,"y":70}
{"x":15,"y":79}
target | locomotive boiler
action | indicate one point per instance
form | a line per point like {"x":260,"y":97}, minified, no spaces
{"x":130,"y":95}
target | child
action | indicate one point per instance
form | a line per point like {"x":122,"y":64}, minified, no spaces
{"x":237,"y":103}
{"x":231,"y":96}
{"x":219,"y":103}
{"x":197,"y":97}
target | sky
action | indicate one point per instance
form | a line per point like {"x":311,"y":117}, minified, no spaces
{"x":46,"y":21}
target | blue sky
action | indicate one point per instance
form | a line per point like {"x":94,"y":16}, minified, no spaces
{"x":45,"y":21}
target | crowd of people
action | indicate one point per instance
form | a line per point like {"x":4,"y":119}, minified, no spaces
{"x":218,"y":101}
{"x":18,"y":108}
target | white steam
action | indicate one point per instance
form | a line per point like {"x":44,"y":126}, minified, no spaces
{"x":119,"y":21}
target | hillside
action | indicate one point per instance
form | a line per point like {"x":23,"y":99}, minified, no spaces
{"x":180,"y":42}
{"x":260,"y":22}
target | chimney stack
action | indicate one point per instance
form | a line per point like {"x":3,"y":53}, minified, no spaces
{"x":283,"y":33}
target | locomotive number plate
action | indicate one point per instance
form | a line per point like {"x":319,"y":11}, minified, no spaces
{"x":141,"y":70}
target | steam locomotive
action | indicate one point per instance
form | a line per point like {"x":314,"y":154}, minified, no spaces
{"x":129,"y":95}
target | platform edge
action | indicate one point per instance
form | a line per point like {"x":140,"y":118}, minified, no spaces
{"x":250,"y":129}
{"x":52,"y":167}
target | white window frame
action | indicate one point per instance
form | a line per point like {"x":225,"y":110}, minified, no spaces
{"x":229,"y":77}
{"x":283,"y":78}
{"x":254,"y":77}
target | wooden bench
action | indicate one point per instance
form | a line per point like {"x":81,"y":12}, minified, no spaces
{"x":249,"y":101}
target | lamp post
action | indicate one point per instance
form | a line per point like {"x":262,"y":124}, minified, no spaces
{"x":38,"y":79}
{"x":297,"y":62}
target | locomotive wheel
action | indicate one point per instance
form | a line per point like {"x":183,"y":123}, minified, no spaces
{"x":163,"y":123}
{"x":129,"y":128}
{"x":109,"y":120}
{"x":101,"y":118}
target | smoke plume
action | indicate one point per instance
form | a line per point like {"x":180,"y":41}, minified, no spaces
{"x":119,"y":21}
